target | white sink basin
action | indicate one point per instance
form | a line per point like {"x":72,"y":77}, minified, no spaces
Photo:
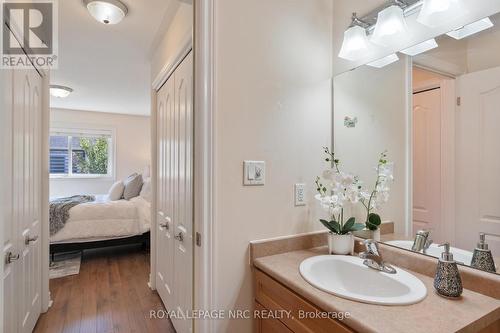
{"x":347,"y":277}
{"x":461,"y":256}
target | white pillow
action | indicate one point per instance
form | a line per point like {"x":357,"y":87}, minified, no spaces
{"x":146,"y":190}
{"x":116,"y":191}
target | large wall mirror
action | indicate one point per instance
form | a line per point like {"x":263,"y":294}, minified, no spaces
{"x":437,"y":115}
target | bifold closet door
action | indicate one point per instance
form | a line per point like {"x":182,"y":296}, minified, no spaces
{"x":175,"y":193}
{"x":183,"y":192}
{"x":22,"y":245}
{"x":165,"y":204}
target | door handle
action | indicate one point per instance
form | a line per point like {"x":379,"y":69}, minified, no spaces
{"x":166,"y":225}
{"x":29,"y":239}
{"x":11,"y":257}
{"x":180,"y":236}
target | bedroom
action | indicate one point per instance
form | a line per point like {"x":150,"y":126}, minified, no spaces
{"x":99,"y":132}
{"x":100,"y":162}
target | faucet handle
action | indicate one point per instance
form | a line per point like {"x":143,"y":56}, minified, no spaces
{"x":428,"y":243}
{"x":424,"y":233}
{"x":371,"y":247}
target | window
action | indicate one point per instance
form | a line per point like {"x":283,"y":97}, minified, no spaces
{"x":81,"y":153}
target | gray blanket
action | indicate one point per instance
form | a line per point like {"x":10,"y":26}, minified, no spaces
{"x":59,"y":210}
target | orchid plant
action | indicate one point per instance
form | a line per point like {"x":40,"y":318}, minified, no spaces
{"x":380,"y":193}
{"x":337,"y":189}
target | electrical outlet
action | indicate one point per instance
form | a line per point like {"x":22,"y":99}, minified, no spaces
{"x":300,"y":194}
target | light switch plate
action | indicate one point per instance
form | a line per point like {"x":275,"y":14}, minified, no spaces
{"x":254,"y":173}
{"x":300,"y":194}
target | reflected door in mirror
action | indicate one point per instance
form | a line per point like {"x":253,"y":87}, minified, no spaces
{"x":478,"y":159}
{"x":427,"y":162}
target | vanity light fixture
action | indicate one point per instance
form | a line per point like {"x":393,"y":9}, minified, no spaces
{"x":60,"y":91}
{"x":106,"y":11}
{"x":391,"y":23}
{"x":384,"y":61}
{"x":355,"y":42}
{"x":471,"y":29}
{"x":437,"y":12}
{"x":421,"y":48}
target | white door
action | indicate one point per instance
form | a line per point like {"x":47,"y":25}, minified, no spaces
{"x":478,"y":160}
{"x":165,"y":236}
{"x":183,"y":178}
{"x":175,"y":195}
{"x":427,"y":162}
{"x":22,"y":246}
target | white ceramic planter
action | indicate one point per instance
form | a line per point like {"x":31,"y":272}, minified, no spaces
{"x":340,"y":244}
{"x":368,"y":234}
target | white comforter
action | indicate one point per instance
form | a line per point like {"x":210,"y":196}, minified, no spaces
{"x":104,"y":219}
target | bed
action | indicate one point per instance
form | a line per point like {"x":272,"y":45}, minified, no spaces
{"x":103,"y":223}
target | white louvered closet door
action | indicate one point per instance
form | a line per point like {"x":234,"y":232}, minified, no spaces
{"x":22,"y":227}
{"x":175,"y":193}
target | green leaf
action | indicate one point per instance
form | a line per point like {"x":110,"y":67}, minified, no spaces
{"x":374,"y":221}
{"x":357,"y":227}
{"x":332,"y":226}
{"x":336,"y":227}
{"x":348,"y":225}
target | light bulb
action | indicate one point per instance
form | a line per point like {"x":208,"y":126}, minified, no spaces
{"x":355,"y":43}
{"x":438,"y":12}
{"x":391,"y":24}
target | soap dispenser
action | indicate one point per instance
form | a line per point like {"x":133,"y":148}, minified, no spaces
{"x":447,"y":281}
{"x":482,"y":257}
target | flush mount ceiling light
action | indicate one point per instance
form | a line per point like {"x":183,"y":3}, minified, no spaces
{"x":355,"y":40}
{"x":421,"y":48}
{"x":106,"y":11}
{"x":384,"y":61}
{"x":471,"y":29}
{"x":391,"y":24}
{"x":437,"y":12}
{"x":60,"y":91}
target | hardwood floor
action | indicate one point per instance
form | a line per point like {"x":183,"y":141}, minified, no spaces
{"x":110,"y":295}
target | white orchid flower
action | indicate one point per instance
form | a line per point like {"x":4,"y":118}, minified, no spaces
{"x":387,"y":171}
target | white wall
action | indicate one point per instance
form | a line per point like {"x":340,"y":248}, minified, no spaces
{"x":273,"y":103}
{"x":378,"y":98}
{"x":132,"y":144}
{"x":177,"y":31}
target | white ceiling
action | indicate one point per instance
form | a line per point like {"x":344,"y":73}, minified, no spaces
{"x":108,"y":66}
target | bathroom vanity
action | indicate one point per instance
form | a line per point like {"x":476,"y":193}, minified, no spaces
{"x":288,"y":303}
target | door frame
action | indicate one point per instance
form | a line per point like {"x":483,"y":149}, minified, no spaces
{"x":202,"y":42}
{"x":447,"y":84}
{"x":204,"y":169}
{"x":45,"y":196}
{"x":45,"y":237}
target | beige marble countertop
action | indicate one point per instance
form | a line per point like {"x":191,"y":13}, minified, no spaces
{"x":470,"y":313}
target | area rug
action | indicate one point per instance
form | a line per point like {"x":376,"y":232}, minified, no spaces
{"x":65,"y":264}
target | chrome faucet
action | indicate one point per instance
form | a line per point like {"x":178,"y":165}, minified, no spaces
{"x":422,"y":241}
{"x":373,"y":258}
